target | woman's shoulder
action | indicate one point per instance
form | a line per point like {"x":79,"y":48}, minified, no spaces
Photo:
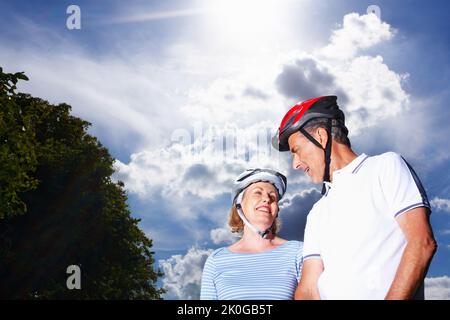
{"x":296,"y":243}
{"x":217,"y":253}
{"x":211,"y":261}
{"x":293,"y":245}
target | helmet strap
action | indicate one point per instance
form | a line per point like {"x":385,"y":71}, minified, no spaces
{"x":327,"y":151}
{"x":264,"y":234}
{"x":326,"y":173}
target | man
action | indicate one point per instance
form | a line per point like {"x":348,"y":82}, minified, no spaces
{"x":369,"y":236}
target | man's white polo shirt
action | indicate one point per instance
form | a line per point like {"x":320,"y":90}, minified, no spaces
{"x":353,"y":228}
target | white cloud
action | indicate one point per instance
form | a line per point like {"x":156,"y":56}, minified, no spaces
{"x":440,"y":204}
{"x":223,"y":235}
{"x":204,"y":168}
{"x":374,"y":91}
{"x":437,"y":288}
{"x":182,"y":274}
{"x":128,"y":90}
{"x":368,"y":90}
{"x":227,"y":99}
{"x":122,"y":99}
{"x":143,"y":17}
{"x":250,"y":102}
{"x":357,"y":32}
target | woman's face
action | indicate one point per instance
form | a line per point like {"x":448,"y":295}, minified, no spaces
{"x":260,"y":204}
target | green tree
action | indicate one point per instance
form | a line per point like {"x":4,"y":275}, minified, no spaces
{"x":59,"y":207}
{"x":17,"y":148}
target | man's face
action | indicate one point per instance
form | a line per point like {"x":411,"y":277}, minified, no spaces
{"x":307,"y":156}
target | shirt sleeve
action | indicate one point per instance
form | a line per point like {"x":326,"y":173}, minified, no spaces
{"x":311,"y":245}
{"x":208,"y":288}
{"x":299,"y":262}
{"x":401,"y":186}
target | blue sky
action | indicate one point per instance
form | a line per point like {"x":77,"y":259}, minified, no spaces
{"x":166,"y":84}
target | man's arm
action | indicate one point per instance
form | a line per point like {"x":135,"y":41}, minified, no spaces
{"x":417,"y":256}
{"x":307,"y":288}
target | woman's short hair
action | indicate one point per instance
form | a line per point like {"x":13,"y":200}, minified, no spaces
{"x":237,"y":225}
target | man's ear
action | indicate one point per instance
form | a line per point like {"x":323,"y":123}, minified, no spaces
{"x":322,"y":137}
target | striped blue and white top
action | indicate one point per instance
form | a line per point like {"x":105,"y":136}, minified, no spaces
{"x":270,"y":275}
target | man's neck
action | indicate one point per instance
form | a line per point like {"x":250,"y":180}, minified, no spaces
{"x":341,"y":156}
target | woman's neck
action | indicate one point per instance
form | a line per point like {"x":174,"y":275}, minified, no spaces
{"x":253,"y":242}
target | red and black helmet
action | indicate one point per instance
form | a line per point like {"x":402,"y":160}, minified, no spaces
{"x":296,"y":119}
{"x":301,"y":113}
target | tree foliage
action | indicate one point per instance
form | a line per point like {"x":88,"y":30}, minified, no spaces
{"x":59,"y":207}
{"x":17,"y":148}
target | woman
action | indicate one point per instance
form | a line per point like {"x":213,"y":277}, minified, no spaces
{"x":260,"y":265}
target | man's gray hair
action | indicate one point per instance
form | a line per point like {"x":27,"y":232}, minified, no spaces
{"x":338,"y":130}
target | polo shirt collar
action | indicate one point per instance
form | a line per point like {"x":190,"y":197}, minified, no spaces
{"x":354,"y":165}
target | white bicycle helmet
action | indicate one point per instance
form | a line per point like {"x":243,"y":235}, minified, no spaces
{"x":249,"y":177}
